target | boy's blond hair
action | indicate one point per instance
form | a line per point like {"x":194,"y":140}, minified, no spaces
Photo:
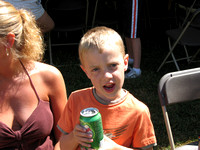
{"x":100,"y":38}
{"x":28,"y":37}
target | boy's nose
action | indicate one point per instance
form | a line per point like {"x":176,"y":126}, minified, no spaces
{"x":107,"y":74}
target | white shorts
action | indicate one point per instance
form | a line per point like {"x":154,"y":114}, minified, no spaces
{"x":34,"y":6}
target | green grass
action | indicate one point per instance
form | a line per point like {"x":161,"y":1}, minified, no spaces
{"x":185,"y":124}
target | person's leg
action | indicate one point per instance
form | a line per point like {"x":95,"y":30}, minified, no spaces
{"x":132,"y":36}
{"x":45,"y":23}
{"x":199,"y":146}
{"x":129,"y":50}
{"x":134,"y":50}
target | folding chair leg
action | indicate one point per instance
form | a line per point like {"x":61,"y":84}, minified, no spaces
{"x":164,"y":61}
{"x":87,"y":12}
{"x":175,"y":62}
{"x":170,"y":52}
{"x":94,"y":15}
{"x":50,"y":51}
{"x":168,"y":127}
{"x":173,"y":57}
{"x":186,"y":52}
{"x":194,"y":56}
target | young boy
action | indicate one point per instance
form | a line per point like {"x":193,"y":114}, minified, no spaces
{"x":126,"y":120}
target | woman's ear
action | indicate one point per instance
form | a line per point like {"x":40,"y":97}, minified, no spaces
{"x":10,"y":40}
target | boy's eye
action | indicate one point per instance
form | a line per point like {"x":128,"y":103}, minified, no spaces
{"x":113,"y":65}
{"x":95,"y":69}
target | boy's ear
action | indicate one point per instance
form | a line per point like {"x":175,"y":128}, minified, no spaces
{"x":10,"y":40}
{"x":126,"y":57}
{"x":82,"y":67}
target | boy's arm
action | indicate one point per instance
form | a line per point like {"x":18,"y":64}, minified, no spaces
{"x":66,"y":141}
{"x":72,"y":140}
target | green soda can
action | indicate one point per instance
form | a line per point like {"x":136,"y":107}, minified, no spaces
{"x":90,"y":118}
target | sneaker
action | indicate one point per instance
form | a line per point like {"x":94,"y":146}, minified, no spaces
{"x":132,"y":74}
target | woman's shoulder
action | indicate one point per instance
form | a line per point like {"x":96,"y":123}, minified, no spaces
{"x":44,"y":68}
{"x":47,"y":72}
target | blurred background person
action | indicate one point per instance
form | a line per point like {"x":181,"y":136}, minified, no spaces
{"x":131,"y":18}
{"x":44,"y":21}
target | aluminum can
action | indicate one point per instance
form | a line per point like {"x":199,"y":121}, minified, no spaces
{"x":90,"y":118}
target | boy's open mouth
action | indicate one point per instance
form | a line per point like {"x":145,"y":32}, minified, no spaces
{"x":109,"y":87}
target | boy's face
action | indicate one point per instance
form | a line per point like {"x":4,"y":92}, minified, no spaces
{"x":106,"y":72}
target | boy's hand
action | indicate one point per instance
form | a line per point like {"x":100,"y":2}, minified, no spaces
{"x":107,"y":144}
{"x":81,"y":136}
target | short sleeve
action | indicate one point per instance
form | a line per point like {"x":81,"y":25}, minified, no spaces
{"x":144,"y":133}
{"x":65,"y":121}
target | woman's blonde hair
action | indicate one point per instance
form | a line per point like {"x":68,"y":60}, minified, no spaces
{"x":100,"y":38}
{"x":28,"y":37}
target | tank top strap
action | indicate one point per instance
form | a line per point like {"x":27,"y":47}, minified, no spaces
{"x":30,"y":80}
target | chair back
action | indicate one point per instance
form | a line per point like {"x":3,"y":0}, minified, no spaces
{"x":184,"y":10}
{"x":69,"y":13}
{"x":106,"y":13}
{"x":178,"y":87}
{"x":71,"y":22}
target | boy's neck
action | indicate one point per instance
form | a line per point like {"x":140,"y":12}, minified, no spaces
{"x":102,"y":101}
